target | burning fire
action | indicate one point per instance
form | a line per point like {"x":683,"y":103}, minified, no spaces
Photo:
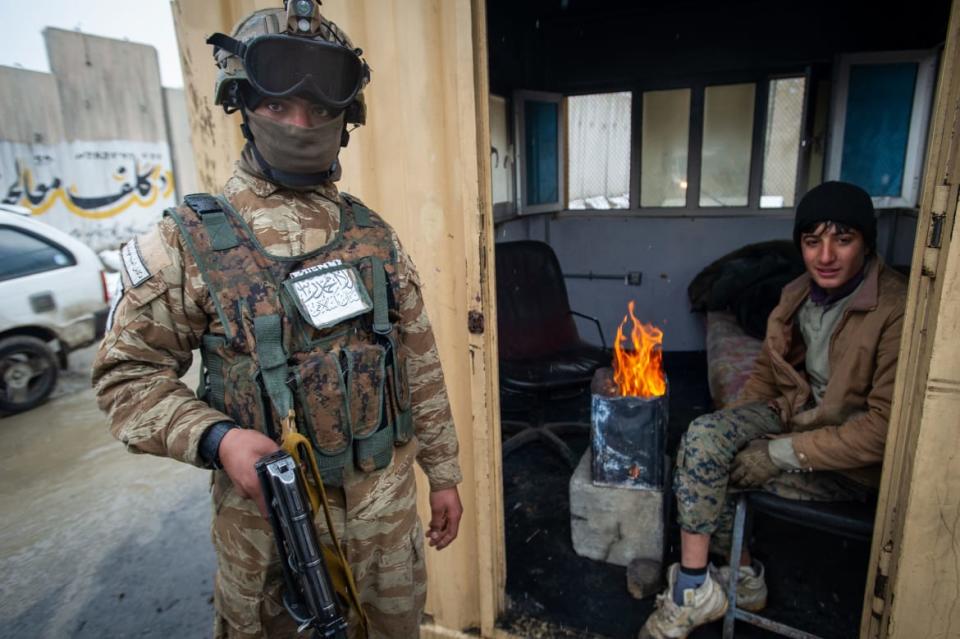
{"x":639,"y":371}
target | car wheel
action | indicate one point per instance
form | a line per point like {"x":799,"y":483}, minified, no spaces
{"x":28,"y":373}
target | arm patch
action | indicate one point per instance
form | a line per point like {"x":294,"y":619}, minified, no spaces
{"x":133,"y":263}
{"x":143,"y":257}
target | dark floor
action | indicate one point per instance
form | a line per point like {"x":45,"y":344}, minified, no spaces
{"x":815,"y":579}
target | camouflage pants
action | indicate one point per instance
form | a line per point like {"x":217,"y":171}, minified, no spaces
{"x":706,"y":505}
{"x":375,"y":519}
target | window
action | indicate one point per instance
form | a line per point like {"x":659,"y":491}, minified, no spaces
{"x":22,"y":254}
{"x":598,"y":142}
{"x":879,"y":122}
{"x":781,"y":144}
{"x":502,"y":163}
{"x":697,"y":149}
{"x":664,"y":150}
{"x":727,"y":142}
{"x":540,"y":135}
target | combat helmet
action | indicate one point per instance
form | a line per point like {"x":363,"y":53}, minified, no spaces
{"x":290,"y":51}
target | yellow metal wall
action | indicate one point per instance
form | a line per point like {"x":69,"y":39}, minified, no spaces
{"x":913,"y":589}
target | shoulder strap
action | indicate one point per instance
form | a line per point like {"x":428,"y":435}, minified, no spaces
{"x":361,"y":214}
{"x":201,"y":260}
{"x":222,"y":235}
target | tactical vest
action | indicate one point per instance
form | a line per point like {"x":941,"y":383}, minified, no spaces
{"x":346,"y":381}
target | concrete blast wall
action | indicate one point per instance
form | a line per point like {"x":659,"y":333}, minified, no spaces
{"x":30,"y":111}
{"x":89,"y":147}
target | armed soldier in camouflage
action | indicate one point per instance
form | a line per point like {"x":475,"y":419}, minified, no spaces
{"x":298,"y":298}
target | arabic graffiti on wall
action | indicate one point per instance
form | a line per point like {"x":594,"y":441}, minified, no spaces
{"x":100,"y":192}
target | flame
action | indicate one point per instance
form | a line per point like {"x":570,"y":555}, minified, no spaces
{"x":639,"y":371}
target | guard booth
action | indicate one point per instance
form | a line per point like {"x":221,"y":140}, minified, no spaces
{"x":455,"y":79}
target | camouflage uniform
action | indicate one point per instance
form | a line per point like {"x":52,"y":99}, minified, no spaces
{"x":706,"y":505}
{"x":163,"y":318}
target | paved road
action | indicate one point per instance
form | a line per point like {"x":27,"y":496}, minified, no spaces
{"x":94,"y":541}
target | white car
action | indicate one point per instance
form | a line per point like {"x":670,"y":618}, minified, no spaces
{"x":53,"y":300}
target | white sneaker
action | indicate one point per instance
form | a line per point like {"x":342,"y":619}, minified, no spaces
{"x":751,"y":586}
{"x":700,"y":605}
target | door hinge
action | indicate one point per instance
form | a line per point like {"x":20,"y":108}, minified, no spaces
{"x":475,"y":323}
{"x":881,"y":581}
{"x":938,"y":217}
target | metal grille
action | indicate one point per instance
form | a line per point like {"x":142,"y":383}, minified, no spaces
{"x":598,"y":134}
{"x":782,"y":144}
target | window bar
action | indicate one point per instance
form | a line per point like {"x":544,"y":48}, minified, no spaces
{"x":755,"y":188}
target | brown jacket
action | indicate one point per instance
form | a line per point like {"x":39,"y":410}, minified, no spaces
{"x":847,"y":430}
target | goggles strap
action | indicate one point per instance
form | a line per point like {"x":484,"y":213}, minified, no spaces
{"x":228,"y":44}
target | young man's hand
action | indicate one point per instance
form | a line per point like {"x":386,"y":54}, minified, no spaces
{"x":445,"y":513}
{"x":753,"y":466}
{"x":239,"y":450}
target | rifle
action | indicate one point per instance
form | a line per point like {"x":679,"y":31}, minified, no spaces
{"x":309,"y":596}
{"x":294,"y":491}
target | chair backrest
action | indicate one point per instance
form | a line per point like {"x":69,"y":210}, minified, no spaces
{"x":533,"y":311}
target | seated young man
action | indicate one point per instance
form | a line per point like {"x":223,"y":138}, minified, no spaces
{"x":811,"y":420}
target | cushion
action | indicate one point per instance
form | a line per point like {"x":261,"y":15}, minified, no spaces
{"x":730,"y":357}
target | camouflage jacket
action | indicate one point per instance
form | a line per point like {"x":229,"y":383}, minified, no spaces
{"x":163,"y":315}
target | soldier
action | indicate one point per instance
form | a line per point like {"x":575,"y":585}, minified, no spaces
{"x":810,"y":422}
{"x":298,"y":297}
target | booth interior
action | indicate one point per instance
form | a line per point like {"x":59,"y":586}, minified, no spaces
{"x":640,"y":143}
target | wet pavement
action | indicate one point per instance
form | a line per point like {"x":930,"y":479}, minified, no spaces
{"x":95,"y":541}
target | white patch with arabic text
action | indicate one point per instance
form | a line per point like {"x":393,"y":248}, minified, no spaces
{"x":331,"y":296}
{"x":137,"y":271}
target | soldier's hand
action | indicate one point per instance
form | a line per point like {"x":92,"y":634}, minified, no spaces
{"x":240,"y":449}
{"x":445,"y":513}
{"x":753,"y":466}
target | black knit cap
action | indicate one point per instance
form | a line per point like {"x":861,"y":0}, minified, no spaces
{"x":839,"y":202}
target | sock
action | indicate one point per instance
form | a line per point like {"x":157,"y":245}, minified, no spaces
{"x":688,"y":578}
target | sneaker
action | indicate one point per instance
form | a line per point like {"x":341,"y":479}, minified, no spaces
{"x":751,"y":586}
{"x":701,"y":605}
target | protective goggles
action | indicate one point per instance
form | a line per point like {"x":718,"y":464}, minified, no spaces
{"x":281,"y":66}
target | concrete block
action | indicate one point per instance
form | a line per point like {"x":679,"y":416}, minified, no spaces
{"x":615,"y":525}
{"x":644,"y":578}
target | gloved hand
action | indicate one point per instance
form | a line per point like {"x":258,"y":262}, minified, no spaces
{"x":753,"y":467}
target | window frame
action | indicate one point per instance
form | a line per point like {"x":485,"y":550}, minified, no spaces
{"x":505,"y":209}
{"x":693,"y":135}
{"x":633,"y":167}
{"x":45,"y":240}
{"x":919,"y":118}
{"x":805,"y":147}
{"x":697,"y":86}
{"x":756,"y":145}
{"x":520,"y":98}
